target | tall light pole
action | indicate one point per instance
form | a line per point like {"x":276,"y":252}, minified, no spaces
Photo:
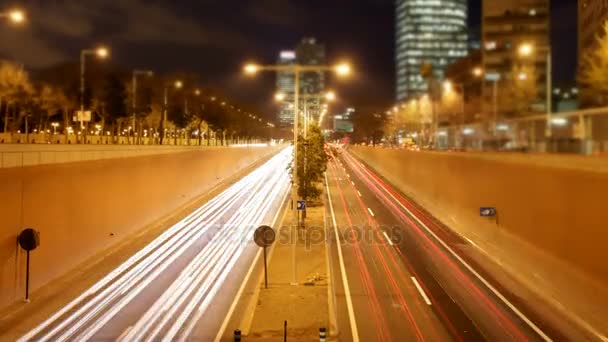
{"x":329,"y":96}
{"x":342,"y":69}
{"x":100,"y":52}
{"x":177,"y":85}
{"x":479,"y":72}
{"x":527,"y":50}
{"x":136,"y":73}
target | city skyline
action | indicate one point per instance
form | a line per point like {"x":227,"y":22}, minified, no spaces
{"x":199,"y":43}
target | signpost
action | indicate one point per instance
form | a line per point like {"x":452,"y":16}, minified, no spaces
{"x":264,"y":236}
{"x":28,"y":239}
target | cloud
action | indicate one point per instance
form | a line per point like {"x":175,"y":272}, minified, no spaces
{"x":56,"y":28}
{"x":278,"y":13}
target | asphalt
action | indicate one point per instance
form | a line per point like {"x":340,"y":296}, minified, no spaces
{"x":186,"y":278}
{"x":393,"y":282}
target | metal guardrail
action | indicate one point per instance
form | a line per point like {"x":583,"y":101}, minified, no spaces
{"x":583,"y":132}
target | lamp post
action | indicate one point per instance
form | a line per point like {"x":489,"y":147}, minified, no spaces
{"x":177,"y":85}
{"x":342,"y":69}
{"x":527,"y":50}
{"x":479,"y":72}
{"x":100,"y":52}
{"x":329,"y":96}
{"x":55,"y":125}
{"x":136,"y":73}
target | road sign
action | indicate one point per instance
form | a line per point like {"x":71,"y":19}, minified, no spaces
{"x":301,"y":205}
{"x":264,"y":236}
{"x":487,"y":211}
{"x":84,"y":116}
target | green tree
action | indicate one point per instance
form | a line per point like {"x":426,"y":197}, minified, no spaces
{"x":594,"y":70}
{"x":15,"y":90}
{"x":114,"y":101}
{"x":312,"y":163}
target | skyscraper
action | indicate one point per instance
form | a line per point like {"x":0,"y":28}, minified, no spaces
{"x":429,"y":31}
{"x":309,"y":52}
{"x":285,"y":85}
{"x":506,"y":26}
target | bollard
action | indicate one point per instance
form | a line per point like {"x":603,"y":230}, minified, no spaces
{"x":322,"y":334}
{"x":237,"y":335}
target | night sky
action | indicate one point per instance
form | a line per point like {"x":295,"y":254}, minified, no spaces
{"x":215,"y":37}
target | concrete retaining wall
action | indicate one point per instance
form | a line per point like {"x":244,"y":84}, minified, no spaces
{"x":32,"y":154}
{"x":557,"y":204}
{"x":83,"y":208}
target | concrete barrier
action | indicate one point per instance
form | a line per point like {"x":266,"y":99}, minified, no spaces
{"x":32,"y":154}
{"x":83,"y":208}
{"x":554,"y":203}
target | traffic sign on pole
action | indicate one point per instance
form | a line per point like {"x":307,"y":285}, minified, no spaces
{"x":301,"y":205}
{"x":264,"y":236}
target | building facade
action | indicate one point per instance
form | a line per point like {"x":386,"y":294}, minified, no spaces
{"x":430,"y":31}
{"x":506,"y":27}
{"x":312,"y":84}
{"x":285,"y":85}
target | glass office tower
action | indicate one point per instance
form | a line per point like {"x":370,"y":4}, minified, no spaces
{"x":427,"y":31}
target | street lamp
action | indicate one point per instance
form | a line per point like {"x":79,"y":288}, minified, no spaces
{"x":479,"y":72}
{"x":177,"y":85}
{"x":527,"y":50}
{"x":279,"y":97}
{"x":55,"y":125}
{"x":148,"y":73}
{"x":100,"y":52}
{"x":16,"y":15}
{"x":342,"y":69}
{"x":330,"y":96}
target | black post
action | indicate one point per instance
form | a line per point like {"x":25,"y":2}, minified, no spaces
{"x":285,"y":332}
{"x":265,"y":270}
{"x":27,"y":277}
{"x":322,"y":334}
{"x":237,"y":335}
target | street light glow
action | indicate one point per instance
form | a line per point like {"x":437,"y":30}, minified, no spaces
{"x":17,"y":16}
{"x":343,"y":69}
{"x":251,"y":69}
{"x":522,"y":76}
{"x":477,"y":71}
{"x":178,"y":84}
{"x":525,"y":49}
{"x":279,"y":96}
{"x":102,"y":52}
{"x":447,"y":86}
{"x":330,"y":96}
{"x":197,"y":92}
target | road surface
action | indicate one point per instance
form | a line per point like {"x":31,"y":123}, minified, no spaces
{"x":405,"y":275}
{"x":182,"y":284}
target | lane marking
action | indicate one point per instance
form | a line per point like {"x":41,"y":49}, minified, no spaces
{"x":390,"y":242}
{"x":426,"y":299}
{"x":224,"y":325}
{"x":359,"y":192}
{"x":349,"y":301}
{"x":371,"y":212}
{"x":513,"y":308}
{"x":352,"y":183}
